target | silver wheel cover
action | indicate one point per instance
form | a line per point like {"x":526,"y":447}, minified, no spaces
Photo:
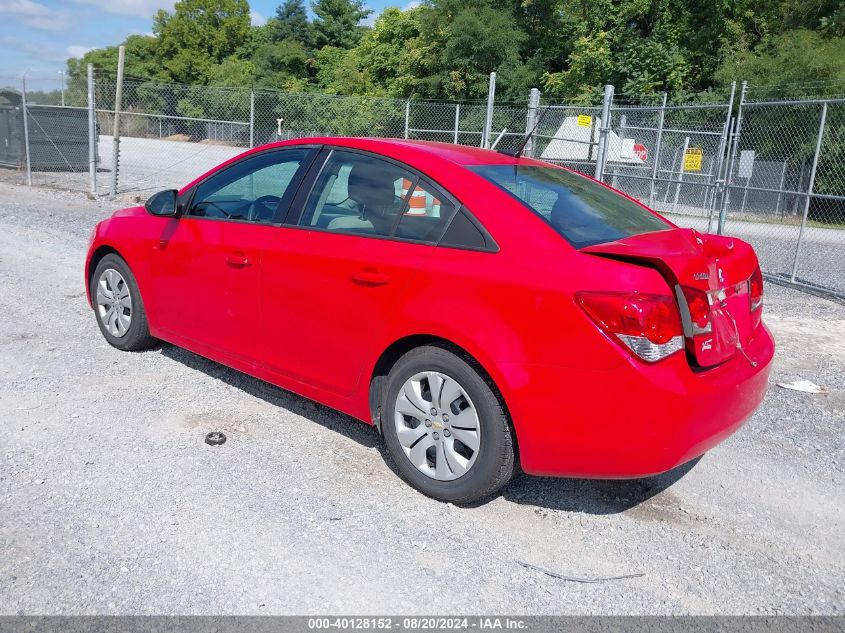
{"x":437,"y":425}
{"x":113,"y":302}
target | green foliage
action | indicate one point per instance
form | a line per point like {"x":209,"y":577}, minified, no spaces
{"x":198,"y":35}
{"x":790,"y":60}
{"x":291,"y":23}
{"x":447,"y":48}
{"x":338,"y":22}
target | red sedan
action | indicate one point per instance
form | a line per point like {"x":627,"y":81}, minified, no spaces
{"x":478,"y":308}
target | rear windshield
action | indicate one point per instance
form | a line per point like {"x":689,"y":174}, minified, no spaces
{"x":582,"y":211}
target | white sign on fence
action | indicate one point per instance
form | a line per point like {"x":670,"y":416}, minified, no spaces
{"x":746,"y":163}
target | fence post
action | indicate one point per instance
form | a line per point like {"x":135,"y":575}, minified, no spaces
{"x":488,"y":119}
{"x":407,"y":116}
{"x":656,"y":166}
{"x":726,"y":196}
{"x":92,"y":133}
{"x":531,"y":121}
{"x":118,"y":98}
{"x":680,"y":175}
{"x":457,"y":121}
{"x":26,"y":131}
{"x":252,"y":118}
{"x":601,"y":153}
{"x":623,"y":120}
{"x":780,"y":188}
{"x":719,"y":182}
{"x":809,"y":194}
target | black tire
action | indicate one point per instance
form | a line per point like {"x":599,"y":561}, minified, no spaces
{"x":494,"y":463}
{"x":137,"y":336}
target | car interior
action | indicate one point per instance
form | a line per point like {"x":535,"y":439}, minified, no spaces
{"x":365,"y":195}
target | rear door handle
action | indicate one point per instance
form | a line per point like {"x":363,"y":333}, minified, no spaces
{"x":370,"y":278}
{"x":238,"y":259}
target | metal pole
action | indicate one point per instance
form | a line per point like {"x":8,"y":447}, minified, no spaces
{"x":718,"y":184}
{"x":252,"y":118}
{"x":457,"y":121}
{"x":680,"y":176}
{"x":92,"y":133}
{"x":62,"y":75}
{"x":26,"y":131}
{"x":726,"y":196}
{"x":407,"y":116}
{"x":809,"y":191}
{"x":118,"y":98}
{"x":745,"y":195}
{"x":780,"y":193}
{"x":661,"y":118}
{"x":601,"y":154}
{"x":622,"y":121}
{"x":488,"y":120}
{"x":531,"y":120}
{"x":672,"y":175}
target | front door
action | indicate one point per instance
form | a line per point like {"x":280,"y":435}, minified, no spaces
{"x":207,"y":264}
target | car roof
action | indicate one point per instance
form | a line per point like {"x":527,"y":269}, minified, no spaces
{"x":457,"y":154}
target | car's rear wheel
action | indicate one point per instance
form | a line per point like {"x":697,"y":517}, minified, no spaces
{"x":444,"y":426}
{"x":118,"y":306}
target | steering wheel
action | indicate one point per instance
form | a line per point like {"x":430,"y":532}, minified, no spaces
{"x":263,"y":208}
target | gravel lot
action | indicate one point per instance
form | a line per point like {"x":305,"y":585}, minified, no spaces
{"x":111,"y":503}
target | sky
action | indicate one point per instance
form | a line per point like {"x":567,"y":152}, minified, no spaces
{"x":38,"y":36}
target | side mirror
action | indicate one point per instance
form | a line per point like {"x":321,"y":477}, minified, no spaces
{"x":163,"y":203}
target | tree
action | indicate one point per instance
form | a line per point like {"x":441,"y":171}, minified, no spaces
{"x":468,"y":40}
{"x":277,"y":64}
{"x":338,"y":22}
{"x":339,"y":71}
{"x":394,"y":54}
{"x":291,"y":23}
{"x":198,"y":35}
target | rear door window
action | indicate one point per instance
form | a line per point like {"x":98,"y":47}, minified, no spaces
{"x":581,"y":210}
{"x":366,"y":195}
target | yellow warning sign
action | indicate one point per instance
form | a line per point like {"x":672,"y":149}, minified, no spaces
{"x":693,"y":158}
{"x":585,"y":120}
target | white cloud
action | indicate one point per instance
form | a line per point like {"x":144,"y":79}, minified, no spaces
{"x":76,"y":51}
{"x":34,"y":14}
{"x":256,"y":18}
{"x":411,"y":5}
{"x":136,"y":8}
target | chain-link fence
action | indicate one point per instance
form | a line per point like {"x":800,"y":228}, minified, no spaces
{"x":771,"y":172}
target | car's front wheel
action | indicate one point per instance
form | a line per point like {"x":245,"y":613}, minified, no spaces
{"x":445,"y":428}
{"x":118,"y":306}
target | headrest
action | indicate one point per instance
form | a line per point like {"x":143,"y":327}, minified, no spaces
{"x":372,"y":187}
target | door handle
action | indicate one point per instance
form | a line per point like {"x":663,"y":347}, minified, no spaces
{"x":238,"y":259}
{"x":370,"y":277}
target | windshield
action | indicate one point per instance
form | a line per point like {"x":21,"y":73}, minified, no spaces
{"x":582,"y":211}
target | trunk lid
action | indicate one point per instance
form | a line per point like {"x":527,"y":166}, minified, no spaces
{"x":694,"y":263}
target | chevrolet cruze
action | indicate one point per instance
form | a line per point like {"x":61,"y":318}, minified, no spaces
{"x":478,"y":308}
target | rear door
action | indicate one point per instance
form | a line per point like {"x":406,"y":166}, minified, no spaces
{"x":336,"y":278}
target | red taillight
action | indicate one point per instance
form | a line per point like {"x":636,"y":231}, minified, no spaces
{"x":649,"y":325}
{"x":698,"y":303}
{"x":755,"y":289}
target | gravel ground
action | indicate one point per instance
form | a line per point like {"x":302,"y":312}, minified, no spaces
{"x":111,"y":503}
